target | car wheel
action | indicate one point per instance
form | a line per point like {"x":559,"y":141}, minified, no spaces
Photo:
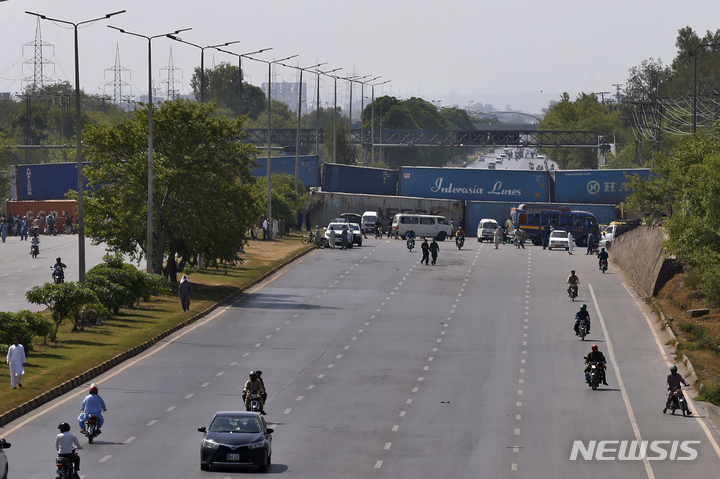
{"x":359,"y":243}
{"x":479,"y":240}
{"x":442,"y":236}
{"x":567,"y":249}
{"x":204,"y":467}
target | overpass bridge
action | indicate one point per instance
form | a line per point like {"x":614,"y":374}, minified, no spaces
{"x":530,"y":138}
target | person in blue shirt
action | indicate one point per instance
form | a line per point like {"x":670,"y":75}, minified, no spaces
{"x":602,"y":255}
{"x":92,"y":404}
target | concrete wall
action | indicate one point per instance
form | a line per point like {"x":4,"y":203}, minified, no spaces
{"x":641,"y":256}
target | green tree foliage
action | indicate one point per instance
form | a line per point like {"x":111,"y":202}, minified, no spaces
{"x":119,"y":284}
{"x":585,"y":113}
{"x":221,"y":88}
{"x":282,"y":117}
{"x":346,"y":153}
{"x":24,"y":324}
{"x":285,"y":202}
{"x":202,"y":184}
{"x":65,"y":300}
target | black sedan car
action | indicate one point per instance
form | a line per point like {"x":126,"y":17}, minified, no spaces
{"x":236,"y":437}
{"x":3,"y":459}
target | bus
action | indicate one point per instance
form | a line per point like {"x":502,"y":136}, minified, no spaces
{"x":530,"y":217}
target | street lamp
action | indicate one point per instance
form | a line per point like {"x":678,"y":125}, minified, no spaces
{"x":269,"y":138}
{"x":351,"y":80}
{"x":372,"y":118}
{"x":78,"y":139}
{"x":150,"y":265}
{"x":362,"y":111}
{"x":694,"y":121}
{"x":297,"y":135}
{"x":317,"y":109}
{"x":240,"y":75}
{"x":202,"y":59}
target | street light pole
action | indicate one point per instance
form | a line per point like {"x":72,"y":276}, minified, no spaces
{"x":240,"y":75}
{"x":317,"y":109}
{"x":372,"y":119}
{"x":78,"y":140}
{"x":694,"y":120}
{"x":150,"y":260}
{"x":362,"y":111}
{"x":351,"y":80}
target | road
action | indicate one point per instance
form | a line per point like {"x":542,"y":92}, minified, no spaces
{"x":510,"y":164}
{"x":377,"y":366}
{"x":20,"y":272}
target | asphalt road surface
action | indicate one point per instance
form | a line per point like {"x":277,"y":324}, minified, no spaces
{"x":20,"y":272}
{"x":378,"y":366}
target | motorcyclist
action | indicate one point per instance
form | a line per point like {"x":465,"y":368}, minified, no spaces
{"x":410,"y":235}
{"x":378,"y":228}
{"x":58,"y":268}
{"x":572,"y":279}
{"x":264,"y":391}
{"x":253,"y":384}
{"x":35,"y":241}
{"x":460,"y":236}
{"x":673,"y":381}
{"x":602,"y":256}
{"x":582,"y":314}
{"x":50,"y":223}
{"x":65,"y":442}
{"x":92,"y":404}
{"x":596,"y":356}
{"x":519,"y":238}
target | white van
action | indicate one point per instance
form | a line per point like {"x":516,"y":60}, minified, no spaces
{"x":368,"y":221}
{"x":432,"y":226}
{"x":486,"y":229}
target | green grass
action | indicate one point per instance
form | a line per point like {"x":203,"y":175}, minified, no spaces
{"x":50,"y":365}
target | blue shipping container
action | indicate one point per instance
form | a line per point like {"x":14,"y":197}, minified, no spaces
{"x":594,"y":186}
{"x":359,"y":179}
{"x":309,"y":173}
{"x":470,"y":184}
{"x":500,"y":212}
{"x":49,"y":181}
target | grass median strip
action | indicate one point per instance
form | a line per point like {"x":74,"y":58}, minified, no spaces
{"x":49,"y":366}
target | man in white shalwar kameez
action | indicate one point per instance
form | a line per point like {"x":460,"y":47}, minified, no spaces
{"x":16,"y":361}
{"x":571,"y":243}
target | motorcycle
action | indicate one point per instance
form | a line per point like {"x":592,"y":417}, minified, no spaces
{"x":50,"y":231}
{"x":58,"y":275}
{"x":410,"y":243}
{"x":573,"y":291}
{"x":583,"y":329}
{"x":603,"y":265}
{"x":593,"y":374}
{"x":91,"y":427}
{"x":34,"y":250}
{"x":459,"y":241}
{"x":378,"y":232}
{"x":254,"y":401}
{"x":678,"y":402}
{"x":308,"y":238}
{"x":320,"y":242}
{"x":65,"y":467}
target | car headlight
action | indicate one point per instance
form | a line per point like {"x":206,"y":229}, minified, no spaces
{"x":256,"y":445}
{"x":210,"y":444}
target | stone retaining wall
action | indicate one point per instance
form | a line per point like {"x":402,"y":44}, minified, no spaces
{"x":641,"y":256}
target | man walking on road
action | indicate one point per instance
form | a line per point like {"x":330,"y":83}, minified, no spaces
{"x":496,"y":236}
{"x":16,"y":361}
{"x":434,"y":248}
{"x":425,"y":247}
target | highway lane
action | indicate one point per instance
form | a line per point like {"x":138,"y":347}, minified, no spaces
{"x":20,"y":272}
{"x":379,"y":366}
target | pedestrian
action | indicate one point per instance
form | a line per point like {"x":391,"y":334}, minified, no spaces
{"x":298,"y":218}
{"x":281,"y":227}
{"x":571,"y":243}
{"x":184,"y":291}
{"x":3,"y":231}
{"x":68,"y":224}
{"x":265,"y":229}
{"x":275,"y":228}
{"x":16,"y":362}
{"x":452,"y":228}
{"x":425,"y":247}
{"x":344,"y":236}
{"x":434,"y":248}
{"x":24,"y":229}
{"x":332,"y":236}
{"x":496,"y":236}
{"x":590,"y":243}
{"x":545,"y":237}
{"x":389,"y":229}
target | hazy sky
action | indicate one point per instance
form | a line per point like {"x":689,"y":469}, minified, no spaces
{"x":520,"y":53}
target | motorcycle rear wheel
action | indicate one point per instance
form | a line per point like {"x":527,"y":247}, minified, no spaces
{"x":305,"y":240}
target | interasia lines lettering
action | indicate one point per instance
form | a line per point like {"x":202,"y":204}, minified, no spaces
{"x":496,"y":190}
{"x":633,"y":451}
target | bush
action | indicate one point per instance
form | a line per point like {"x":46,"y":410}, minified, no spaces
{"x":710,"y":393}
{"x":24,"y":324}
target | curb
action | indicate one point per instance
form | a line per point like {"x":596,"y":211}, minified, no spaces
{"x":665,"y":326}
{"x":90,"y":374}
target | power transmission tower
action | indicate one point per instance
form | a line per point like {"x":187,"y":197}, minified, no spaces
{"x":617,"y":93}
{"x":118,"y":83}
{"x":38,"y":79}
{"x":171,"y":82}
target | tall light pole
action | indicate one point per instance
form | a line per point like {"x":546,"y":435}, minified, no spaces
{"x":269,"y":137}
{"x":362,"y":111}
{"x":317,"y":112}
{"x":240,"y":75}
{"x":78,"y":140}
{"x":694,"y":119}
{"x":150,"y":260}
{"x":372,"y":119}
{"x":351,"y":80}
{"x":297,"y":135}
{"x":202,"y":59}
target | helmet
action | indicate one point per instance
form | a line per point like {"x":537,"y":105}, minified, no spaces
{"x":258,"y":372}
{"x":93,"y":389}
{"x":572,"y":272}
{"x":594,"y":347}
{"x":64,"y":427}
{"x":583,"y":307}
{"x":603,"y":249}
{"x":253,"y":373}
{"x":57,"y":259}
{"x":673,"y":368}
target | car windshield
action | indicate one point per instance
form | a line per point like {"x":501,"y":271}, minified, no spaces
{"x":559,"y":234}
{"x":488,"y":225}
{"x":235,"y":424}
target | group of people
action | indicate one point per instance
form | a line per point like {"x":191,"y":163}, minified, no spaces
{"x":21,"y":226}
{"x":428,"y":250}
{"x":346,"y":235}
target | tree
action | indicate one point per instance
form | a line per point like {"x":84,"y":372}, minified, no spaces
{"x":285,"y":202}
{"x":346,"y":152}
{"x":64,"y":301}
{"x":221,"y":88}
{"x":24,"y":324}
{"x":202,"y":201}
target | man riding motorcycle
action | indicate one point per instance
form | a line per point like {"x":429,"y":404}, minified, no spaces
{"x":596,"y":356}
{"x":602,"y":256}
{"x":460,"y":237}
{"x":65,"y":442}
{"x":253,"y":384}
{"x":92,"y":404}
{"x":58,"y":269}
{"x":673,"y":381}
{"x":410,"y":235}
{"x":582,"y":314}
{"x":572,"y":279}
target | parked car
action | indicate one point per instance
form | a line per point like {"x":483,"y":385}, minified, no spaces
{"x":354,"y":231}
{"x":3,"y":459}
{"x":486,"y":229}
{"x":559,"y":239}
{"x":236,"y":438}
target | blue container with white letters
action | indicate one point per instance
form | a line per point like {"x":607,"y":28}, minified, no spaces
{"x":595,"y":186}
